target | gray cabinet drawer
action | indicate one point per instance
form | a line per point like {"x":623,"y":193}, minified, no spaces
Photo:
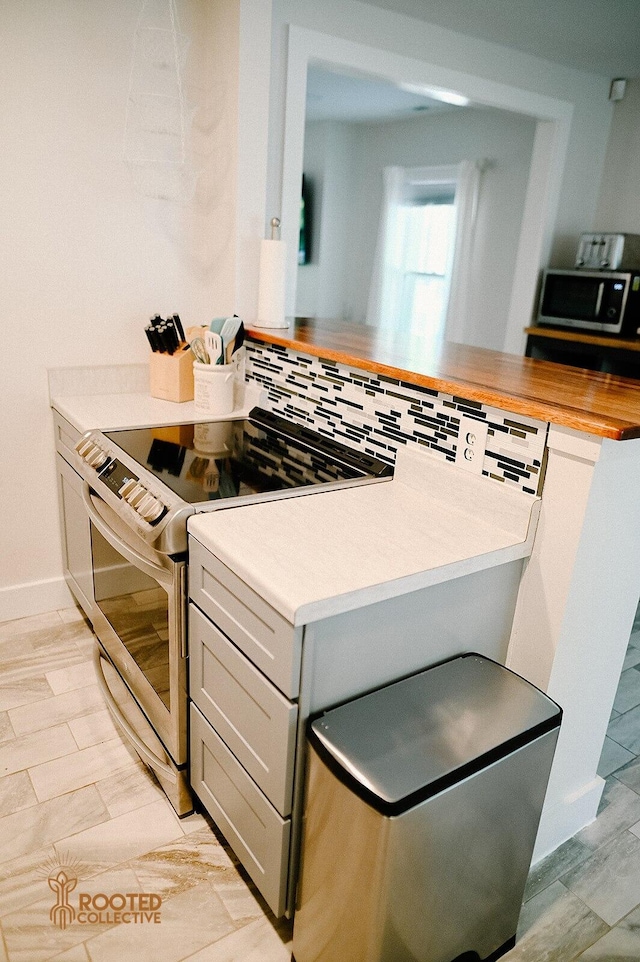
{"x":252,"y":717}
{"x":66,"y":435}
{"x":253,"y":828}
{"x":265,"y":637}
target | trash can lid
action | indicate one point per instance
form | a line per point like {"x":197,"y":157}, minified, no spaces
{"x":417,"y":736}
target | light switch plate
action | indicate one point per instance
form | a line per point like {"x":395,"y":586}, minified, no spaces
{"x":472,"y":442}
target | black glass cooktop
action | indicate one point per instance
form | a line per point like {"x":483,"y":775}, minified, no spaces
{"x":230,"y":459}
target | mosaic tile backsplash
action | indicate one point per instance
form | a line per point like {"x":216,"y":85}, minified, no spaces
{"x":376,"y":413}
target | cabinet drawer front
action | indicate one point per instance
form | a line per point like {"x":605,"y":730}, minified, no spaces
{"x":252,"y":717}
{"x":265,"y":637}
{"x":66,"y":435}
{"x":253,"y":828}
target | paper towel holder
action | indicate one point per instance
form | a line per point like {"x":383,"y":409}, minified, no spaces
{"x":271,"y":287}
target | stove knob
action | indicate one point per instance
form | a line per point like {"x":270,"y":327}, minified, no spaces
{"x":127,"y":488}
{"x":145,"y":504}
{"x":83,"y":446}
{"x":157,"y":512}
{"x":97,"y":458}
{"x":87,"y":450}
{"x":152,"y":509}
{"x":136,"y":495}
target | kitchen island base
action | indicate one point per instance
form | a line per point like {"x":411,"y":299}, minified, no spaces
{"x":252,"y":786}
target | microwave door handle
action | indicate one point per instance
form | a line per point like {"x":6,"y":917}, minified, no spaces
{"x":599,"y":298}
{"x":155,"y":571}
{"x":151,"y":759}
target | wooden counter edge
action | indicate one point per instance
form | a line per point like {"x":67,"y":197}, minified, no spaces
{"x":617,"y":429}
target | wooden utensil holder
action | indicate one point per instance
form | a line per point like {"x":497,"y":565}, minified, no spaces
{"x":171,"y":376}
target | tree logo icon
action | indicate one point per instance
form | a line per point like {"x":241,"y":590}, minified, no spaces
{"x":62,"y":913}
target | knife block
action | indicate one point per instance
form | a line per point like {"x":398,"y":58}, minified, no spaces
{"x":171,"y":376}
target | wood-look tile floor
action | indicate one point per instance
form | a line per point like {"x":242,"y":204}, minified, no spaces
{"x":72,"y":795}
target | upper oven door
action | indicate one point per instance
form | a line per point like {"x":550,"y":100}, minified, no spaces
{"x":139,"y":617}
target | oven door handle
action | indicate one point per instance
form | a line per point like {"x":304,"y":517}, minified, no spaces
{"x":138,"y":560}
{"x":150,"y":758}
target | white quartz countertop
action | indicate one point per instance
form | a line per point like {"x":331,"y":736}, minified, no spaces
{"x":315,"y":556}
{"x":104,"y":412}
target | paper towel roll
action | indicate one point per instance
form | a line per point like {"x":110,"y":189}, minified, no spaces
{"x":271,"y":289}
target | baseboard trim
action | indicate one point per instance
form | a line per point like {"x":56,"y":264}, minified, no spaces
{"x":561,"y":822}
{"x":34,"y":598}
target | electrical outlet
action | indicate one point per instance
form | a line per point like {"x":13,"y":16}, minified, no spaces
{"x":472,"y":441}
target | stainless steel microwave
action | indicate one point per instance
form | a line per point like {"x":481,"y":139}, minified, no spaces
{"x":607,"y":301}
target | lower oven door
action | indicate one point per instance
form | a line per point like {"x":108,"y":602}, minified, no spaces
{"x":139,"y":617}
{"x":135,"y":726}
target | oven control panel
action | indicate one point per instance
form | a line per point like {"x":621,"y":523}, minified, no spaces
{"x":121,"y":481}
{"x":94,"y":455}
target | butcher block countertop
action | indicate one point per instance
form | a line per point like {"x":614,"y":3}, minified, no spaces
{"x":600,"y":404}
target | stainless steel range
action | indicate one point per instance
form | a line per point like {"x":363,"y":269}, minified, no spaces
{"x":140,"y":487}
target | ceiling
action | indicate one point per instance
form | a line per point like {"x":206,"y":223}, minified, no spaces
{"x":599,"y":36}
{"x":350,"y":97}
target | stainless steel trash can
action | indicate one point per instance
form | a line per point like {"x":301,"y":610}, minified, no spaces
{"x":422,"y":807}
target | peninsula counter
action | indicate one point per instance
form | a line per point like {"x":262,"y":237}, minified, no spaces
{"x":569,"y":435}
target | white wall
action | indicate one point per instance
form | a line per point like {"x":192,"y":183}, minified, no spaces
{"x":325,"y":284}
{"x":619,"y":202}
{"x":501,"y":139}
{"x":86,"y":258}
{"x":358,"y":22}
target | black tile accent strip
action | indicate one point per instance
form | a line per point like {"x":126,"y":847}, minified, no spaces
{"x":374,"y":411}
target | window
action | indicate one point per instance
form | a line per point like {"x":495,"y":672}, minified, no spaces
{"x":425,"y":228}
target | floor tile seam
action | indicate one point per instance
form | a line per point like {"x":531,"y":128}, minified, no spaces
{"x":45,"y":614}
{"x":114,"y":865}
{"x":576,"y":958}
{"x":586,"y":854}
{"x":234,"y":927}
{"x":23,"y":704}
{"x":232,"y":869}
{"x":627,"y":711}
{"x":58,"y":841}
{"x":28,"y":735}
{"x":52,"y":842}
{"x":5,"y":741}
{"x":106,"y":803}
{"x":41,"y":898}
{"x":571,"y":891}
{"x":209,"y":880}
{"x":606,"y":841}
{"x":33,"y":789}
{"x":111,"y":774}
{"x":220,"y":940}
{"x":620,"y":782}
{"x":619,"y":744}
{"x":45,"y":701}
{"x":68,"y":691}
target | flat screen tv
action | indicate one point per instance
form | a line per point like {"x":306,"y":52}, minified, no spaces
{"x":306,"y":216}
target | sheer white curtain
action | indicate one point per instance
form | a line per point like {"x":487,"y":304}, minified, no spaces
{"x":466,"y":203}
{"x":407,"y":187}
{"x":386,"y":281}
